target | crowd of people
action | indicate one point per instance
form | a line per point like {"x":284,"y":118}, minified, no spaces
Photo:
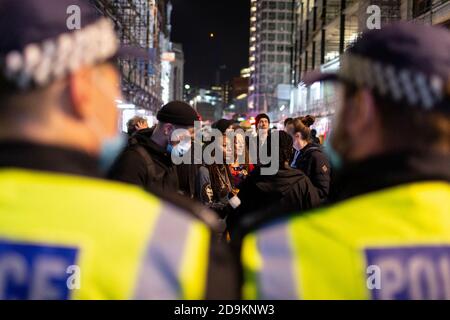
{"x":234,"y":189}
{"x":85,"y":214}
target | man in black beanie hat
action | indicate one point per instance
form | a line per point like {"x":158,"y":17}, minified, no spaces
{"x":147,"y":161}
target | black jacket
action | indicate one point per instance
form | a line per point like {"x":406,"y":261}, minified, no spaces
{"x":315,"y":164}
{"x":267,"y":197}
{"x":146,"y":164}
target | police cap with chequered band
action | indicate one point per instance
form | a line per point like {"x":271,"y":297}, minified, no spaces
{"x":43,"y":40}
{"x":404,"y":62}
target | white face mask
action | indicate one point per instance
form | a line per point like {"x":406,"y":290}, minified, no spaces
{"x":183,"y":147}
{"x":180,"y":142}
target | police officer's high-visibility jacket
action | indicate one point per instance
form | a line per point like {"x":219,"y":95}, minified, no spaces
{"x":69,"y":237}
{"x":389,"y":244}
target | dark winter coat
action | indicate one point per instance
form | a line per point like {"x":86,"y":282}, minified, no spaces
{"x":267,"y":197}
{"x":315,"y":164}
{"x":146,"y":164}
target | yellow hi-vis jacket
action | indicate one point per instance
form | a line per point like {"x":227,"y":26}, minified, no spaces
{"x":391,"y":244}
{"x":69,"y":237}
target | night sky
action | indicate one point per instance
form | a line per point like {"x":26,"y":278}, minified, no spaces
{"x":192,"y":23}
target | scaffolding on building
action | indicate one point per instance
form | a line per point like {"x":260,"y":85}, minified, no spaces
{"x":138,"y":23}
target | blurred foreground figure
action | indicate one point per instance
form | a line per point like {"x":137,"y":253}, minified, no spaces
{"x":388,"y":234}
{"x":64,"y":232}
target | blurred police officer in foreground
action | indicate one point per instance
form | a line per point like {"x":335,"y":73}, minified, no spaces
{"x":388,"y":234}
{"x":64,"y":233}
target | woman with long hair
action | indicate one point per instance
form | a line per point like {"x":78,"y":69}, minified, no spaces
{"x":309,"y":156}
{"x":242,"y":166}
{"x":214,"y":181}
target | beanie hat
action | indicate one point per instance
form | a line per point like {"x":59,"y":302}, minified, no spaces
{"x":178,"y":113}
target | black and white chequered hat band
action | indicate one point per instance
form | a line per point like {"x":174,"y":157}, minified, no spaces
{"x":40,"y":63}
{"x":414,"y":87}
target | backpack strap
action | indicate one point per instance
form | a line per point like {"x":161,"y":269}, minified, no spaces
{"x":148,"y":160}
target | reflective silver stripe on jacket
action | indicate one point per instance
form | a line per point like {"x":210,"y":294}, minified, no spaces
{"x":159,"y":274}
{"x":276,"y":278}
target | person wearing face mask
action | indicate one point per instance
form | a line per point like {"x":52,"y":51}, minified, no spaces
{"x":65,"y":231}
{"x":309,"y":156}
{"x":148,"y":163}
{"x":386,"y":235}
